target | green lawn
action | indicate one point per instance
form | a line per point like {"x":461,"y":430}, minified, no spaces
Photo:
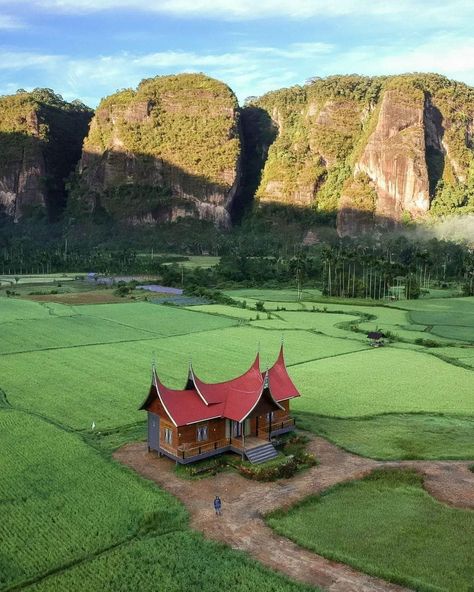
{"x":397,"y":437}
{"x":385,"y":380}
{"x":388,"y":526}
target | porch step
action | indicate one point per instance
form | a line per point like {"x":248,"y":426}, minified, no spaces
{"x":261,"y":454}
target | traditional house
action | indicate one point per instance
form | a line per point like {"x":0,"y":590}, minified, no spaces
{"x":204,"y":419}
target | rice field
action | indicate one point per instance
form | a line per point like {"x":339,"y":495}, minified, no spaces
{"x":397,"y":436}
{"x":385,"y":380}
{"x":106,"y":383}
{"x":177,"y":562}
{"x":388,"y":526}
{"x":61,"y":501}
{"x":161,"y":320}
{"x":65,"y":367}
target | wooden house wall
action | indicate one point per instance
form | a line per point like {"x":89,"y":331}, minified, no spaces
{"x":187,"y":435}
{"x":215,"y":431}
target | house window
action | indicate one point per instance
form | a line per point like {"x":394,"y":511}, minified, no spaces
{"x":270,"y":416}
{"x":202,"y":433}
{"x":168,"y":436}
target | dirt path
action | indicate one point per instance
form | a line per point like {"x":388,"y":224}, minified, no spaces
{"x":245,"y":502}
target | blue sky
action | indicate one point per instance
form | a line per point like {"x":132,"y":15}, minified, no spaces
{"x":88,"y":49}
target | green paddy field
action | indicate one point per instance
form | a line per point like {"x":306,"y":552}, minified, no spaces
{"x":69,"y":515}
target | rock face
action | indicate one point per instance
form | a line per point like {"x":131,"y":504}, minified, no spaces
{"x":394,"y":158}
{"x":378,"y":151}
{"x":169,"y":149}
{"x":40,"y":143}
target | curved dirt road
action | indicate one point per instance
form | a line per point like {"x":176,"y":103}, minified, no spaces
{"x":245,"y":502}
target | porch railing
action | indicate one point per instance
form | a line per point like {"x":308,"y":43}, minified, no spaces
{"x":276,"y":425}
{"x":184,"y":451}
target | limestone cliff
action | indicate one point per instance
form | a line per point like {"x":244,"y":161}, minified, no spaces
{"x":170,"y":148}
{"x":375,"y":150}
{"x":40,"y":143}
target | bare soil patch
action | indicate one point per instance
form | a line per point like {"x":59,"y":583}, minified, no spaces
{"x":246,"y":502}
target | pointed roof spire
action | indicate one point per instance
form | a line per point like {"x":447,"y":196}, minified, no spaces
{"x":280,"y":355}
{"x":266,"y":379}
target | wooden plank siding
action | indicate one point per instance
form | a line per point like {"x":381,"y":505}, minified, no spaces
{"x":185,"y":444}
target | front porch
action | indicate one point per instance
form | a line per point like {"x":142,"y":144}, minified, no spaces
{"x":242,"y":444}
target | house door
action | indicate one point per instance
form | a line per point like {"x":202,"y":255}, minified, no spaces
{"x":236,"y":429}
{"x":153,"y":431}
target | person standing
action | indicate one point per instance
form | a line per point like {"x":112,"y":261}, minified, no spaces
{"x":217,"y":505}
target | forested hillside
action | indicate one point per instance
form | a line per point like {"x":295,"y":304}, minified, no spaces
{"x":369,"y":152}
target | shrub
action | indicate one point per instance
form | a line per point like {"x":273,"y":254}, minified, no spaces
{"x":427,"y":342}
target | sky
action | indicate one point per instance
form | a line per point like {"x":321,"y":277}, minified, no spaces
{"x":88,"y":49}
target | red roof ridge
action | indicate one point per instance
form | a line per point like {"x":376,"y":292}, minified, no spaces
{"x":255,"y":365}
{"x":201,"y":386}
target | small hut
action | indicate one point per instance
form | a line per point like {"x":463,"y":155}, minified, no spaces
{"x":376,"y":338}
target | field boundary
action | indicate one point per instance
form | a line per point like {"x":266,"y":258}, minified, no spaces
{"x":246,"y":503}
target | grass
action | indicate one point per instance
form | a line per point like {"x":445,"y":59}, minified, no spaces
{"x":106,"y":383}
{"x":51,"y":278}
{"x":387,"y":526}
{"x":397,"y":436}
{"x":65,"y":505}
{"x":161,"y":320}
{"x":177,"y":562}
{"x":310,"y":321}
{"x":227,"y":311}
{"x":12,"y":309}
{"x":61,"y":501}
{"x":465,"y":355}
{"x":100,"y":526}
{"x":385,"y":380}
{"x":61,"y":332}
{"x":285,"y":295}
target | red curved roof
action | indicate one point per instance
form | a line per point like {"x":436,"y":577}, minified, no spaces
{"x":250,"y":381}
{"x":233,"y":399}
{"x":280,"y":384}
{"x":185,"y":407}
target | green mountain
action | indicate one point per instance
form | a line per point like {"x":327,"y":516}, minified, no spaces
{"x":41,"y":138}
{"x":381,"y":149}
{"x":371,"y":151}
{"x":170,"y":148}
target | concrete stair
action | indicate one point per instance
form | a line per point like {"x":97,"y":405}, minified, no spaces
{"x":261,"y":454}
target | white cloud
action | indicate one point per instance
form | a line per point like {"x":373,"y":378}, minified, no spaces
{"x":8,"y":22}
{"x":19,"y":60}
{"x":248,"y":70}
{"x":295,"y":50}
{"x":450,"y":55}
{"x":250,"y":10}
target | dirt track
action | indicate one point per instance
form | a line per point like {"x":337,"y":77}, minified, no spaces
{"x":245,"y":502}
